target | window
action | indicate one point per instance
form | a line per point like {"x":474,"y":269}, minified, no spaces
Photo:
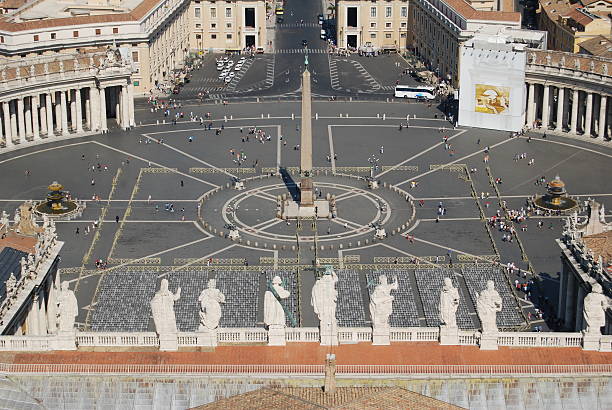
{"x":1,"y":39}
{"x":229,"y":36}
{"x":403,"y":35}
{"x":136,"y":83}
{"x":75,"y":33}
{"x":115,"y":30}
{"x":372,"y":11}
{"x":213,"y":25}
{"x":404,"y":12}
{"x":372,"y":25}
{"x":388,"y":11}
{"x":228,"y":25}
{"x":35,"y":37}
{"x":387,"y":25}
{"x":135,"y":56}
{"x":198,"y":25}
{"x":249,"y":17}
{"x":53,"y":35}
{"x":213,"y":13}
{"x":198,"y":37}
{"x":388,"y":35}
{"x":228,"y":12}
{"x":198,"y":12}
{"x":213,"y":36}
{"x":372,"y":35}
{"x":351,"y":16}
{"x":404,"y":24}
{"x":98,"y":32}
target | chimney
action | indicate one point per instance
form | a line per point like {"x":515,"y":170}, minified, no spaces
{"x":330,"y":374}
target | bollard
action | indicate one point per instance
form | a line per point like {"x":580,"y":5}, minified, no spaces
{"x":387,"y":99}
{"x":265,"y":245}
{"x":322,"y":247}
{"x":407,"y":119}
{"x":231,"y":117}
{"x":367,"y":241}
{"x":257,"y":99}
{"x":350,"y":98}
{"x":256,"y":244}
{"x":163,"y":121}
{"x":346,"y":115}
{"x":248,"y":243}
{"x":293,"y":247}
{"x":215,"y":231}
{"x":384,"y":117}
{"x":262,"y":115}
{"x":312,"y":248}
{"x":274,"y":246}
{"x":377,"y":115}
{"x":414,"y":116}
{"x":316,"y":116}
{"x":157,"y":122}
{"x":268,"y":115}
{"x":340,"y":115}
{"x":350,"y":245}
{"x":292,"y":116}
{"x":225,"y":118}
{"x":358,"y":243}
{"x":340,"y":246}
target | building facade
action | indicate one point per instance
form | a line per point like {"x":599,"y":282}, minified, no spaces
{"x":230,"y":25}
{"x":375,"y":24}
{"x":64,"y":95}
{"x":153,"y":34}
{"x":438,"y":28}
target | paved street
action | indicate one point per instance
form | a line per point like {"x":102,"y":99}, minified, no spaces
{"x":179,"y":172}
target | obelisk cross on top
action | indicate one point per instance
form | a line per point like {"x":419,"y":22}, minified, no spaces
{"x":306,"y":185}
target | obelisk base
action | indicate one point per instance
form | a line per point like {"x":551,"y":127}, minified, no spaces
{"x":307,"y":196}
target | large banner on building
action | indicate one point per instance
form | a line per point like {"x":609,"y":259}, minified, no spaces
{"x":492,"y":89}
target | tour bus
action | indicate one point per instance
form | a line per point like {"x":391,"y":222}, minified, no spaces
{"x":419,"y":92}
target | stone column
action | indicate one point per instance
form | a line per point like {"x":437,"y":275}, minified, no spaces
{"x":27,"y":102}
{"x":79,"y":111}
{"x":21,"y":121}
{"x":13,"y":110}
{"x":601,"y":132}
{"x":546,"y":107}
{"x":49,"y":111}
{"x":88,"y":109}
{"x":58,"y":111}
{"x":64,"y":108}
{"x":51,"y":309}
{"x":125,"y":123}
{"x":560,"y":109}
{"x":131,"y":104}
{"x":73,"y":113}
{"x":103,"y":122}
{"x":531,"y":106}
{"x":6,"y":114}
{"x":43,"y":116}
{"x":94,"y":104}
{"x":42,"y":315}
{"x":35,"y":125}
{"x":574,"y":121}
{"x":588,"y":117}
{"x":33,"y":315}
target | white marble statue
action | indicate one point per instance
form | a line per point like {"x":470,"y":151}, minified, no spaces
{"x":274,"y":315}
{"x":449,"y":302}
{"x":210,"y":306}
{"x":67,"y":308}
{"x":10,"y":284}
{"x":4,"y":220}
{"x":324,"y":299}
{"x":381,"y":302}
{"x":162,"y":308}
{"x":594,"y":310}
{"x":488,"y":303}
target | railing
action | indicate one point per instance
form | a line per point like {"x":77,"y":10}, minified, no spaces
{"x":242,"y":335}
{"x":109,"y":339}
{"x":415,"y":334}
{"x":536,"y":339}
{"x":302,"y":334}
{"x":354,"y":334}
{"x":306,"y":369}
{"x":24,"y":343}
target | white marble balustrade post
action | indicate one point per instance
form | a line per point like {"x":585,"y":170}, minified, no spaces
{"x":602,"y":116}
{"x":560,"y":109}
{"x":79,"y":111}
{"x":35,"y":125}
{"x":6,"y":114}
{"x":575,"y":102}
{"x":21,"y":120}
{"x":64,"y":109}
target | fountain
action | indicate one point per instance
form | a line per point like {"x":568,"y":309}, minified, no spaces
{"x":556,"y":198}
{"x":57,"y":202}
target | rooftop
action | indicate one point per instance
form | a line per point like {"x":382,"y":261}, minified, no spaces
{"x":599,"y":46}
{"x":470,"y":13}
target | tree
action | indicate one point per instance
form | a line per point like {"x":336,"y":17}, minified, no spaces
{"x":332,"y":10}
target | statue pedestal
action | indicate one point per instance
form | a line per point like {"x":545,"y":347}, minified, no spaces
{"x":591,"y":341}
{"x":449,"y":336}
{"x":207,"y":338}
{"x":306,"y":192}
{"x":329,"y":335}
{"x":381,"y":336}
{"x":168,"y":342}
{"x":277,"y":335}
{"x":65,"y":341}
{"x":488,"y":341}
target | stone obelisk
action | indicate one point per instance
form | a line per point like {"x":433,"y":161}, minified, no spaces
{"x":306,"y":185}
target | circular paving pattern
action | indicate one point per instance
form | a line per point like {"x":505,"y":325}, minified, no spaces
{"x":253,"y":212}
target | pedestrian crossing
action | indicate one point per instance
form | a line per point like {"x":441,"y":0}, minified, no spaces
{"x":301,"y":51}
{"x":297,"y":25}
{"x":270,"y":67}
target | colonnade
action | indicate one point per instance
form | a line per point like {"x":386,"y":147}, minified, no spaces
{"x":573,"y":110}
{"x":27,"y":118}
